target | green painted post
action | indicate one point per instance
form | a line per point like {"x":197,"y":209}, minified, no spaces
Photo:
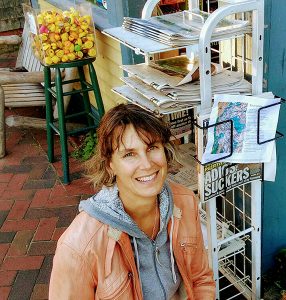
{"x":62,"y":126}
{"x":49,"y":114}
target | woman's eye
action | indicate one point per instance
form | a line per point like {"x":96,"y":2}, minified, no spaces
{"x":152,"y":147}
{"x":129,"y":154}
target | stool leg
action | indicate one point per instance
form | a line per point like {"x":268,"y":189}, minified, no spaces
{"x":49,"y":114}
{"x":96,"y":89}
{"x":85,"y":96}
{"x":62,"y":126}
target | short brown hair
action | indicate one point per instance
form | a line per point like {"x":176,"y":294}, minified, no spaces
{"x":110,"y":132}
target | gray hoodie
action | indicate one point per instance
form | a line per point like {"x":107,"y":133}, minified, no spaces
{"x":158,"y":272}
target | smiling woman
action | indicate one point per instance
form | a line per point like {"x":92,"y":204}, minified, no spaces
{"x":139,"y":237}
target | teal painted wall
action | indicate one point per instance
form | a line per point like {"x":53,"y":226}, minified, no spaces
{"x":274,"y":193}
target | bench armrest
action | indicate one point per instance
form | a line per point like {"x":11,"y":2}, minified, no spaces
{"x":10,"y":40}
{"x":22,"y":77}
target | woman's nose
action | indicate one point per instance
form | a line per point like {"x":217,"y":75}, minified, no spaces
{"x":145,"y":161}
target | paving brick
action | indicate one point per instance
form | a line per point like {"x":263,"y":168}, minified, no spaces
{"x":7,"y":277}
{"x":46,"y":269}
{"x":63,"y":201}
{"x":66,"y":216}
{"x":6,"y":204}
{"x":42,"y":248}
{"x":20,"y":243}
{"x":6,"y":237}
{"x":58,"y":232}
{"x":40,"y":198}
{"x":18,"y":194}
{"x":39,"y":184}
{"x":3,"y":186}
{"x":35,"y":160}
{"x":18,"y":225}
{"x":45,"y":229}
{"x":4,"y":292}
{"x":38,"y":171}
{"x":59,"y":190}
{"x":24,"y":285}
{"x":22,"y":263}
{"x":16,"y":169}
{"x":18,"y":210}
{"x":3,"y":216}
{"x":50,"y":173}
{"x":40,"y":292}
{"x":3,"y":251}
{"x":18,"y":181}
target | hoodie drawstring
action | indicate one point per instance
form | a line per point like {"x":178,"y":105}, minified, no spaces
{"x":171,"y":250}
{"x":137,"y":260}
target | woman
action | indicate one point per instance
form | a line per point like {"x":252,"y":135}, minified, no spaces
{"x":139,"y":237}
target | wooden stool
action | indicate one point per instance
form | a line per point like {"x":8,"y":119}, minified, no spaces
{"x":59,"y":125}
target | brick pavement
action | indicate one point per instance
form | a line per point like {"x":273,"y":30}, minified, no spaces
{"x":35,"y":209}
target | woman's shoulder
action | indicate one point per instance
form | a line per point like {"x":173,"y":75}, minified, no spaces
{"x":81,"y":232}
{"x":178,"y":189}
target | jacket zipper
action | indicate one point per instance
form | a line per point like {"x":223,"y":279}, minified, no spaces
{"x":132,"y":270}
{"x":154,"y":260}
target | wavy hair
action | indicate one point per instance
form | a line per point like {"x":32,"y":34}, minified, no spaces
{"x":110,"y":134}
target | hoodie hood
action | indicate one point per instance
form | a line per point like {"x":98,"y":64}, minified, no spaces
{"x":107,"y":207}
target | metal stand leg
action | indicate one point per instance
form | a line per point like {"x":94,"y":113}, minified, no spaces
{"x":62,"y":126}
{"x":49,"y":114}
{"x":86,"y":102}
{"x":97,"y":94}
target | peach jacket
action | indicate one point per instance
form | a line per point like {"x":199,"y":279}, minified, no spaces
{"x":95,"y":261}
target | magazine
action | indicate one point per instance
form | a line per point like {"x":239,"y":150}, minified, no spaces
{"x":220,"y":177}
{"x":181,"y":28}
{"x":242,"y":111}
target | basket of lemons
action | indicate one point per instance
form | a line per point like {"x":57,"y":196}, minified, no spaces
{"x":61,"y":36}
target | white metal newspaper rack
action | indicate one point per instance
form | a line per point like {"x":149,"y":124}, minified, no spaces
{"x":233,"y":220}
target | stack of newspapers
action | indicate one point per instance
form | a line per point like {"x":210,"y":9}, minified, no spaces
{"x":183,"y":28}
{"x":172,"y":84}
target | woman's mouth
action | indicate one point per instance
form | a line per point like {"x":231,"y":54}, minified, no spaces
{"x":147,"y":178}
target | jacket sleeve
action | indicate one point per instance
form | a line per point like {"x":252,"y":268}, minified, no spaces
{"x":202,"y":275}
{"x":71,"y":278}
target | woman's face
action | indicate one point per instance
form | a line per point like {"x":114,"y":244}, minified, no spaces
{"x":140,"y":169}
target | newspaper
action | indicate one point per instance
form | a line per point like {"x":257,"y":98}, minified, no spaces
{"x":220,"y":177}
{"x":181,"y":28}
{"x":184,"y":172}
{"x":189,"y":93}
{"x":155,"y":96}
{"x":243,"y":111}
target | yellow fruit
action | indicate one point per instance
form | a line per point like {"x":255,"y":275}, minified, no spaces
{"x":44,"y":37}
{"x":54,"y":46}
{"x":48,"y":61}
{"x":52,"y":27}
{"x":88,"y":45}
{"x":57,"y":37}
{"x":90,"y":37}
{"x":60,"y":53}
{"x":79,"y":54}
{"x":82,"y":34}
{"x":55,"y":59}
{"x":46,"y":46}
{"x":64,"y":37}
{"x":50,"y":52}
{"x":71,"y":56}
{"x":92,"y":52}
{"x":59,"y":44}
{"x":79,"y":42}
{"x":65,"y":58}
